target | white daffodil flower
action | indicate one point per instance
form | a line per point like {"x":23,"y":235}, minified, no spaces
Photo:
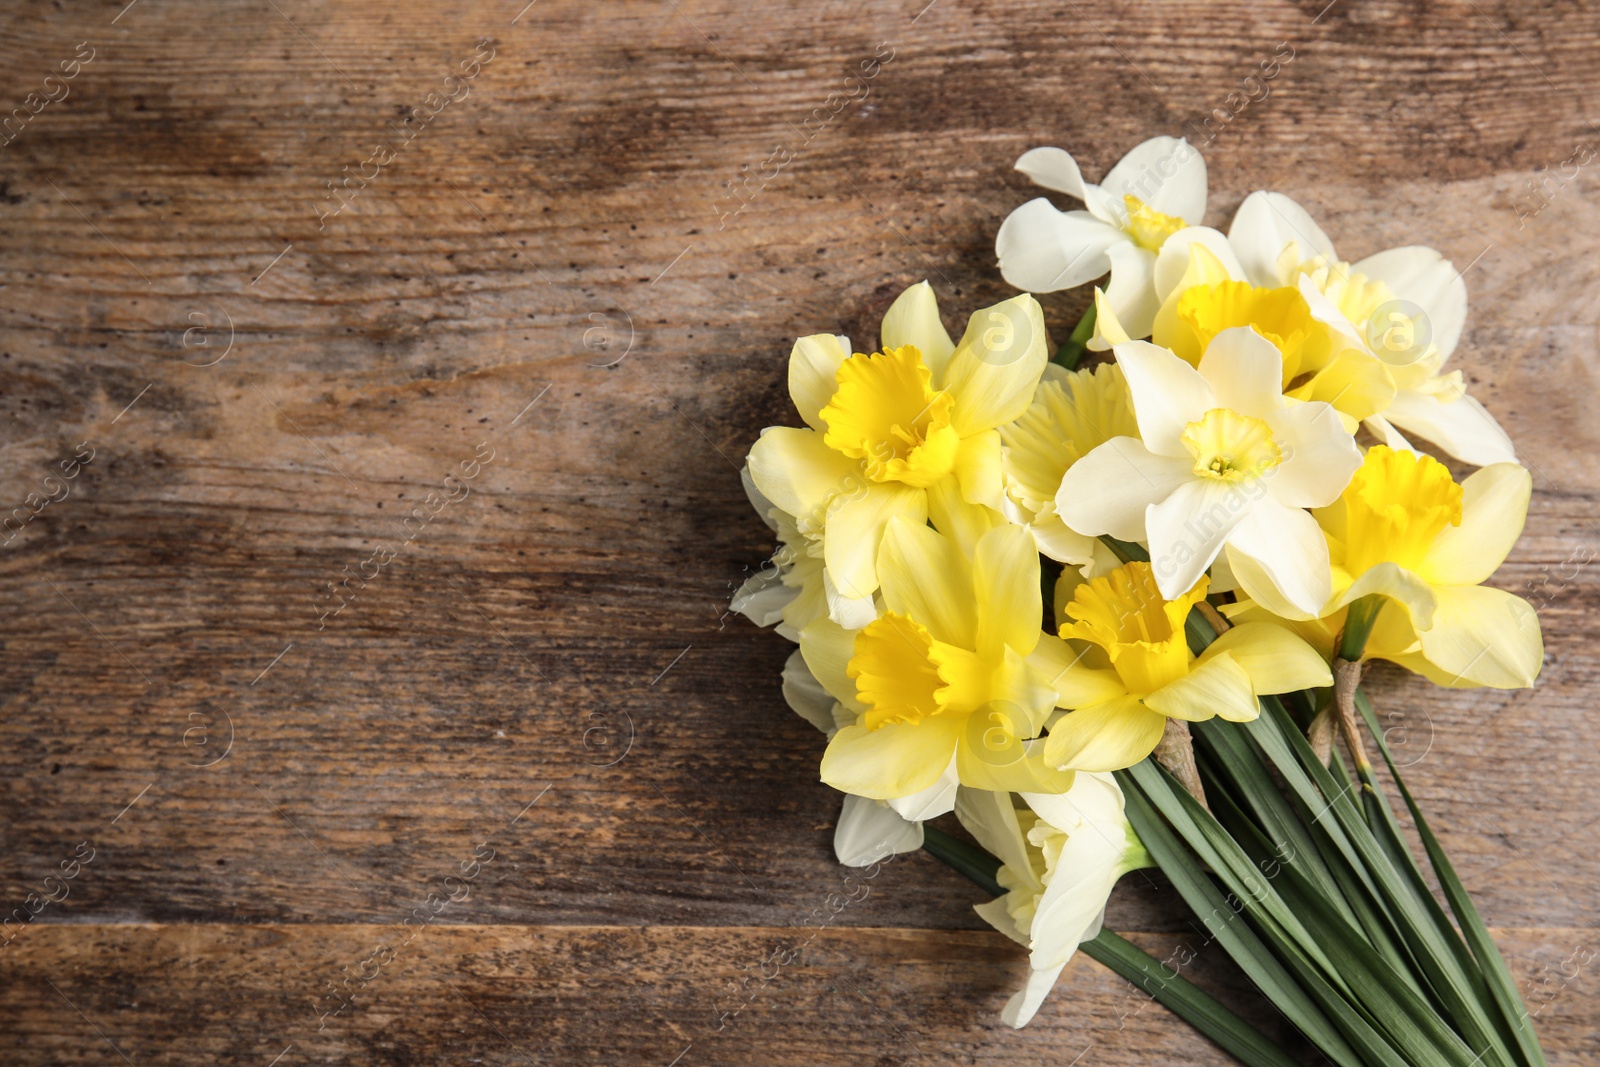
{"x":1222,"y":459}
{"x":1060,"y":861}
{"x":1407,"y":305}
{"x":1156,"y":190}
{"x":868,"y":830}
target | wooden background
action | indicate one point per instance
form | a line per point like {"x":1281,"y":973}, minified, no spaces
{"x":553,"y":272}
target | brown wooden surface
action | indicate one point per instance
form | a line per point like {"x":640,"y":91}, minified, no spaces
{"x":570,"y":611}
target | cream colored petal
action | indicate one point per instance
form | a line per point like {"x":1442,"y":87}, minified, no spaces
{"x":1245,"y":372}
{"x":1425,"y":278}
{"x":925,"y":576}
{"x":1356,"y":383}
{"x":1494,"y":507}
{"x":996,"y":366}
{"x":1172,"y":262}
{"x":913,"y":319}
{"x":1483,"y":636}
{"x":1167,"y":173}
{"x":991,"y":818}
{"x":1043,"y":250}
{"x":1274,"y":659}
{"x":851,"y":612}
{"x":1167,"y":394}
{"x":891,"y":761}
{"x":1131,"y":291}
{"x":1055,"y":169}
{"x":986,"y":759}
{"x":1109,"y":490}
{"x":806,"y":695}
{"x":762,"y":505}
{"x":1288,"y":547}
{"x":1104,"y":737}
{"x":1024,"y":1004}
{"x":869,"y":831}
{"x":997,"y":913}
{"x":1188,"y":529}
{"x":1462,"y":427}
{"x":1005,"y":584}
{"x":854,"y":529}
{"x":763,"y":597}
{"x":1062,"y":543}
{"x":979,"y":470}
{"x":1263,"y":225}
{"x":813,"y":374}
{"x":1108,"y":330}
{"x":1216,"y":685}
{"x":1255,"y":583}
{"x":1319,"y":456}
{"x":798,"y":473}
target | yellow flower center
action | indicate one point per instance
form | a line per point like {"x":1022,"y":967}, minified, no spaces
{"x":1280,"y":315}
{"x":1230,"y":446}
{"x":1394,"y":508}
{"x":1149,"y":227}
{"x":1356,"y":295}
{"x":886,"y":413}
{"x":894,"y":670}
{"x":1123,"y":612}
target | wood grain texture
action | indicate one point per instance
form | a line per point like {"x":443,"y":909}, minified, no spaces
{"x":564,"y":237}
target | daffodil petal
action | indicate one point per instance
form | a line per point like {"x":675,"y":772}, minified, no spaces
{"x":1005,"y":584}
{"x":979,"y":470}
{"x":892,"y":761}
{"x":1109,"y":490}
{"x":1274,"y":659}
{"x":1108,"y":330}
{"x":826,"y":648}
{"x":1494,"y":507}
{"x":1025,"y":1004}
{"x":996,"y":366}
{"x":991,"y":818}
{"x":1172,"y":262}
{"x":1167,"y":173}
{"x":1062,"y":543}
{"x":1424,"y":277}
{"x":1288,"y":548}
{"x":806,"y":695}
{"x":1189,"y":528}
{"x":925,"y":576}
{"x":1005,"y":765}
{"x":854,"y":529}
{"x":913,"y":319}
{"x":1264,"y":224}
{"x":1043,"y":250}
{"x":869,"y":831}
{"x":1131,"y":291}
{"x":1054,"y":168}
{"x":1217,"y":685}
{"x":1320,"y":457}
{"x":1245,"y":371}
{"x":813,"y":368}
{"x":1104,"y":737}
{"x":797,"y":472}
{"x":1409,"y":592}
{"x":1462,"y":427}
{"x":932,"y":802}
{"x":1077,"y":684}
{"x":1167,"y":395}
{"x":1354,"y":382}
{"x":1482,"y":636}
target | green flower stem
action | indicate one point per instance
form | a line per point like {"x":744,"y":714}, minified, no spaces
{"x":1358,"y":622}
{"x":1164,"y":985}
{"x":1072,"y":350}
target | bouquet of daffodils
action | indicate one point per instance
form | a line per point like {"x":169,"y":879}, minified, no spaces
{"x":1117,"y":617}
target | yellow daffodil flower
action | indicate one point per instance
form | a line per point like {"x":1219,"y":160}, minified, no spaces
{"x":886,"y":430}
{"x":1136,"y":671}
{"x":1157,"y":190}
{"x":1060,"y":858}
{"x":954,"y":678}
{"x":1404,"y":530}
{"x":1072,"y":414}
